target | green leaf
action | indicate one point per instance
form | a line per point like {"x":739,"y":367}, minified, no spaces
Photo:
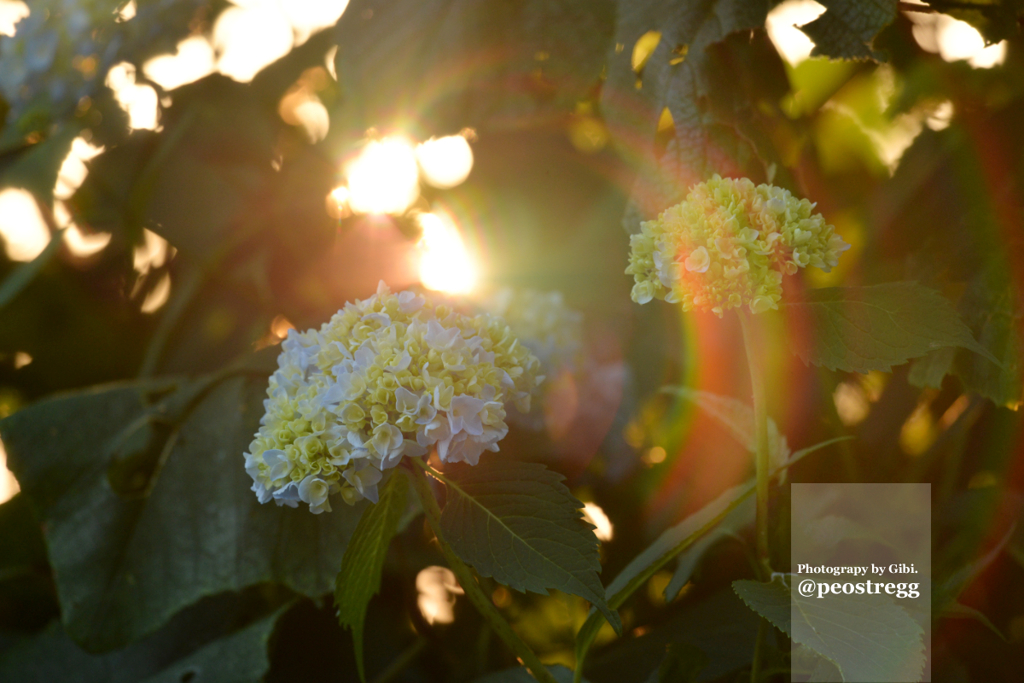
{"x":359,"y":577}
{"x":958,"y":610}
{"x":125,"y":564}
{"x":738,"y":518}
{"x":868,"y":637}
{"x":518,"y":523}
{"x":519,"y":674}
{"x":860,"y":329}
{"x":671,"y":543}
{"x":200,"y":646}
{"x":847,"y":28}
{"x":391,"y":56}
{"x":679,"y":76}
{"x":23,"y":274}
{"x":992,"y":311}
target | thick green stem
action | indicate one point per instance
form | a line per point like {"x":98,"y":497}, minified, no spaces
{"x":761,"y":458}
{"x":468,"y":582}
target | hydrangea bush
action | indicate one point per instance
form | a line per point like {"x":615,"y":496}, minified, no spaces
{"x":727,"y":245}
{"x":387,"y":377}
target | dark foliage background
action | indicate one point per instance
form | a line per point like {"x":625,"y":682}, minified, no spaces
{"x":135,"y":551}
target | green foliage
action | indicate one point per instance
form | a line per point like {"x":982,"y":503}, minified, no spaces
{"x":23,"y":275}
{"x":521,"y":675}
{"x":201,"y":646}
{"x":683,"y":663}
{"x":358,"y":579}
{"x":860,"y":329}
{"x":848,"y":27}
{"x":518,"y":523}
{"x":866,"y":637}
{"x":122,"y":562}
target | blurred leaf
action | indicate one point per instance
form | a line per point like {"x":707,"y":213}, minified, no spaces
{"x":35,"y":167}
{"x":867,"y":636}
{"x":720,"y":626}
{"x":860,"y":329}
{"x":738,"y":418}
{"x":957,"y":610}
{"x":990,"y":308}
{"x":456,"y":63}
{"x":125,"y":565}
{"x":23,"y":274}
{"x":519,"y":674}
{"x":848,"y":27}
{"x":182,"y":651}
{"x":740,"y":517}
{"x":672,"y":542}
{"x":682,"y":664}
{"x":518,"y":523}
{"x":358,"y":579}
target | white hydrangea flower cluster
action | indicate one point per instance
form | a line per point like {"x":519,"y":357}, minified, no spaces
{"x":388,"y":377}
{"x":542,"y":321}
{"x":548,"y":327}
{"x":728,"y":244}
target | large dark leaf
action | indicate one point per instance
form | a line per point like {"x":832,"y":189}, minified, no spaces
{"x":868,"y":637}
{"x":517,"y":522}
{"x":860,"y":329}
{"x":125,"y":563}
{"x":847,"y":28}
{"x":202,"y":645}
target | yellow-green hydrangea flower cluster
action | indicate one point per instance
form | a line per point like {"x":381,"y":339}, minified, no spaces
{"x":548,"y":327}
{"x":728,"y":244}
{"x":391,"y":376}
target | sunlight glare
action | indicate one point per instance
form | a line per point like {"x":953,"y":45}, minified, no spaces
{"x":22,"y":226}
{"x":152,"y":253}
{"x":309,"y":16}
{"x":158,"y":296}
{"x":193,"y":59}
{"x":445,"y":162}
{"x":250,"y":35}
{"x":73,"y":169}
{"x":140,"y":102}
{"x":437,"y":588}
{"x":955,"y":40}
{"x":593,"y":513}
{"x":384,"y":177}
{"x":127,"y":13}
{"x":11,"y":12}
{"x":8,"y":484}
{"x":793,"y":44}
{"x":445,"y":263}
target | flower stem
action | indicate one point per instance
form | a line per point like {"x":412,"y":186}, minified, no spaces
{"x":761,"y":460}
{"x":468,"y":582}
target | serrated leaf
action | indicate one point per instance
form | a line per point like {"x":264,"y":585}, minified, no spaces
{"x":868,"y":637}
{"x":124,"y":565}
{"x":860,"y":329}
{"x":847,"y":28}
{"x":518,"y":523}
{"x":359,"y":577}
{"x":633,"y":103}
